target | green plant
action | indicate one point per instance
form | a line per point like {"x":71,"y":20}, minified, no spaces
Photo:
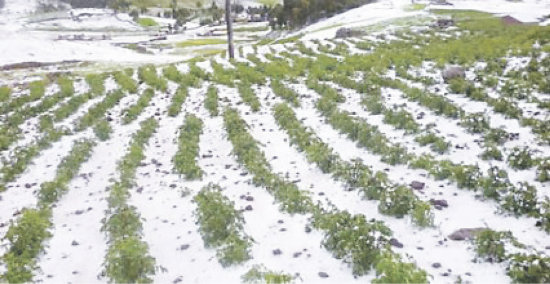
{"x":491,"y":152}
{"x":211,"y":100}
{"x":125,"y":82}
{"x":96,"y":83}
{"x":543,"y":170}
{"x":475,"y":122}
{"x":188,"y":148}
{"x":521,"y":200}
{"x":131,"y":113}
{"x":127,"y":261}
{"x":490,"y":245}
{"x":103,"y":130}
{"x":390,"y":269}
{"x":248,"y":96}
{"x":259,"y":274}
{"x":5,"y":93}
{"x":177,"y":101}
{"x":529,"y":269}
{"x":221,"y":226}
{"x":148,"y":74}
{"x":520,"y":158}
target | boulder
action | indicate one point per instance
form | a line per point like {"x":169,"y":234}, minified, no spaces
{"x":453,"y":72}
{"x":347,"y":32}
{"x":465,"y":234}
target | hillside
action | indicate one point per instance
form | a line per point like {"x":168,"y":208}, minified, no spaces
{"x":412,"y":148}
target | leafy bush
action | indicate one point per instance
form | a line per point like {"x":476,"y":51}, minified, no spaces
{"x":149,"y":75}
{"x":401,"y":119}
{"x":96,"y":83}
{"x":248,"y":96}
{"x":353,"y":239}
{"x":437,"y":144}
{"x":398,"y":201}
{"x":127,"y":261}
{"x":177,"y":101}
{"x":221,"y":226}
{"x":188,"y":148}
{"x":521,"y":200}
{"x":5,"y":93}
{"x":132,"y":113}
{"x":529,"y":269}
{"x":65,"y":110}
{"x":390,"y":269}
{"x":66,"y":86}
{"x":25,"y":243}
{"x":520,"y":158}
{"x":103,"y":130}
{"x":285,"y":93}
{"x":491,"y":152}
{"x":543,"y":170}
{"x":490,"y":245}
{"x":211,"y":100}
{"x":96,"y":112}
{"x":259,"y":274}
{"x":125,"y":82}
{"x":475,"y":122}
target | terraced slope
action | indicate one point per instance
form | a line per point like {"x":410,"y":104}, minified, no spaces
{"x":317,"y":161}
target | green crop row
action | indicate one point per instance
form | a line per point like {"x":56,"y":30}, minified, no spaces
{"x":221,"y":226}
{"x":188,"y":148}
{"x":211,"y":100}
{"x":522,"y":266}
{"x":362,"y":244}
{"x":131,"y":113}
{"x":127,"y":259}
{"x":26,"y":236}
{"x":149,"y":75}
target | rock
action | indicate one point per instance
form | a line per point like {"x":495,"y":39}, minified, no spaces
{"x":75,"y":243}
{"x":79,"y":212}
{"x":436,"y":265}
{"x":277,"y":252}
{"x":323,"y":274}
{"x":346,"y":32}
{"x":248,"y":208}
{"x":177,"y":280}
{"x":394,"y":242}
{"x":465,"y":234}
{"x":296,"y":254}
{"x":308,"y":229}
{"x":439,"y":202}
{"x":417,"y":185}
{"x":184,"y":247}
{"x":28,"y":185}
{"x":453,"y":72}
{"x":249,"y":198}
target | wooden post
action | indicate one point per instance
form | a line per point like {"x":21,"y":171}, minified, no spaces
{"x":229,"y":23}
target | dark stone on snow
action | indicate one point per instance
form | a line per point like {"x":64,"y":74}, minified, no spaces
{"x":394,"y":242}
{"x":75,"y":243}
{"x":453,"y":72}
{"x":417,"y":185}
{"x":465,"y":234}
{"x":323,"y":274}
{"x":277,"y":252}
{"x":184,"y":247}
{"x":248,"y":208}
{"x":436,"y":265}
{"x":439,"y":202}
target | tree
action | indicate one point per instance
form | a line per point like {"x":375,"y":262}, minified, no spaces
{"x":118,"y":5}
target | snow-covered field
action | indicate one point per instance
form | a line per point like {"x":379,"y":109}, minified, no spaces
{"x":318,"y":160}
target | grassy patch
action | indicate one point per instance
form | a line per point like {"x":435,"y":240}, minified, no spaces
{"x":147,"y":22}
{"x":199,"y":42}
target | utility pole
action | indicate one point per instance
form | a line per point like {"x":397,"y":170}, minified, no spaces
{"x":229,"y":23}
